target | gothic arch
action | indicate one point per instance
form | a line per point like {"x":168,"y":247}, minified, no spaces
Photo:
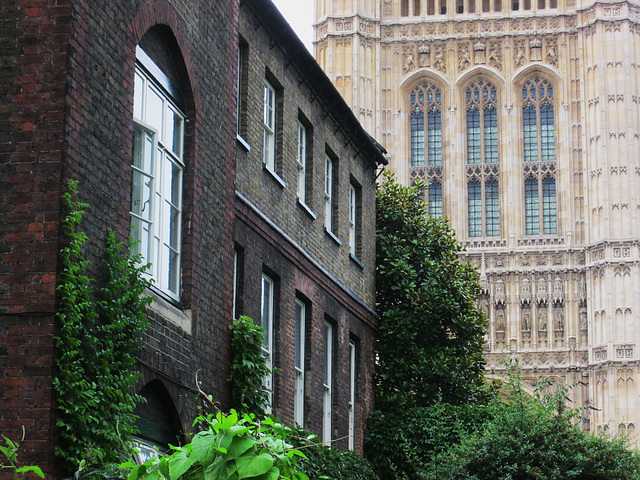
{"x":524,"y":73}
{"x":477,"y":72}
{"x":414,"y":78}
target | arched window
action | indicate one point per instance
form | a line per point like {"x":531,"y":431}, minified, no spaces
{"x":482,"y":159}
{"x":158,"y":147}
{"x":426,"y":103}
{"x":426,"y":141}
{"x":539,"y":142}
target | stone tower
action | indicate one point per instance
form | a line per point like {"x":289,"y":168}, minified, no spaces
{"x":523,"y":118}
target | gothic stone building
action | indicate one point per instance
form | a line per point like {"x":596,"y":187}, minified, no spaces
{"x":263,"y":207}
{"x":523,"y":118}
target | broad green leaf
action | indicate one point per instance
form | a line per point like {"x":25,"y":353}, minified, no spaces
{"x":254,"y":465}
{"x":179,"y":463}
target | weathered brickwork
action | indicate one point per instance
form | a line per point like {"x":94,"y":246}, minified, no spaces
{"x":67,"y":112}
{"x":286,"y":240}
{"x":66,"y":89}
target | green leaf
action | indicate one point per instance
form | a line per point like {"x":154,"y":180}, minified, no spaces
{"x":254,"y":465}
{"x":34,"y":469}
{"x":178,"y":464}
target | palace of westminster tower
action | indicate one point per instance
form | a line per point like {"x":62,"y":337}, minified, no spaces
{"x":523,"y":119}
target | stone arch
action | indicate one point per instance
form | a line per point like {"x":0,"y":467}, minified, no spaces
{"x":159,"y":421}
{"x":480,"y":71}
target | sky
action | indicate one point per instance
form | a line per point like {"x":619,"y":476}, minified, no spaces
{"x":299,"y":14}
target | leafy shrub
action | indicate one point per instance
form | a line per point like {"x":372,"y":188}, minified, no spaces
{"x":229,"y":447}
{"x":321,"y":461}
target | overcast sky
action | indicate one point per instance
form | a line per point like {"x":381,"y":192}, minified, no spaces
{"x":299,"y":14}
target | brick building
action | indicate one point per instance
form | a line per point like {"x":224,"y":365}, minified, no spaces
{"x":137,"y":101}
{"x":305,"y":229}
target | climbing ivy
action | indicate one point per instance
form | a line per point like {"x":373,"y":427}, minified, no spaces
{"x":99,"y":327}
{"x":248,"y":367}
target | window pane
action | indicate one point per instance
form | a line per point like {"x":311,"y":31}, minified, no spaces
{"x":435,"y":199}
{"x":417,"y":138}
{"x":547,"y":132}
{"x":138,"y":99}
{"x":267,"y":309}
{"x":299,"y":333}
{"x":435,"y":137}
{"x":490,"y":135}
{"x":493,"y":207}
{"x":530,"y":133}
{"x":475,"y":209}
{"x":473,"y":135}
{"x":154,"y":112}
{"x":531,"y":206}
{"x":549,"y":212}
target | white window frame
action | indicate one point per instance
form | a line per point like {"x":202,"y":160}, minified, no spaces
{"x":328,"y":193}
{"x":353,"y":220}
{"x":269,"y":121}
{"x":266,"y":320}
{"x":301,"y":165}
{"x":327,"y":394}
{"x":352,"y":395}
{"x":299,"y":364}
{"x":157,"y":182}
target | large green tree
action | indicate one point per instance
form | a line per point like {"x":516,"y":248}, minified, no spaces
{"x":431,"y":334}
{"x":429,"y":347}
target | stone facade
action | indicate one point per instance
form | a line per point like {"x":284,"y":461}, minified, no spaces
{"x":523,"y":117}
{"x":87,"y":92}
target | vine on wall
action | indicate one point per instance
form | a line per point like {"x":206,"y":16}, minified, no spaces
{"x":99,"y":331}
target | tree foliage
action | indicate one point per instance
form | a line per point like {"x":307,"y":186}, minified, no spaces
{"x":431,"y":335}
{"x":99,"y":331}
{"x":535,"y":438}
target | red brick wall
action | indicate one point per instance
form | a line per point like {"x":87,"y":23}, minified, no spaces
{"x":66,"y":98}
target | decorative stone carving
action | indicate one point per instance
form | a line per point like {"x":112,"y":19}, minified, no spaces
{"x":479,"y":52}
{"x":558,"y":293}
{"x":424,"y":59}
{"x":494,"y":58}
{"x":558,"y":319}
{"x":542,"y":320}
{"x":439,"y":61}
{"x":551,"y":57}
{"x":500,"y":297}
{"x":500,"y":320}
{"x":464,"y":60}
{"x":541,"y":291}
{"x":525,"y":292}
{"x":526,"y":319}
{"x":535,"y":49}
{"x":408,"y":63}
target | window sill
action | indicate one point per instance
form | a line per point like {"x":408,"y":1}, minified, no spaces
{"x":332,"y":236}
{"x":306,"y":208}
{"x":355,"y":260}
{"x":243,"y":142}
{"x":169,"y":309}
{"x":275,"y":176}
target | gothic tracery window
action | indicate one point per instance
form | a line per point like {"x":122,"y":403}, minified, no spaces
{"x":482,"y":159}
{"x":539,"y":157}
{"x":426,"y":142}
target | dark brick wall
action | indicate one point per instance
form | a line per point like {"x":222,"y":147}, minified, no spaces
{"x":34,"y":39}
{"x":279,"y":237}
{"x":66,"y":98}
